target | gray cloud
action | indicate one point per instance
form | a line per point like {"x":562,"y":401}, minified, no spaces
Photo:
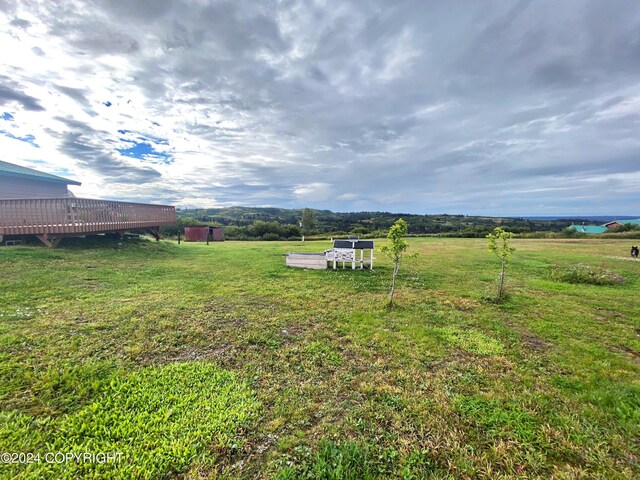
{"x":20,"y":23}
{"x":93,"y":158}
{"x":412,"y":106}
{"x":10,"y":93}
{"x":77,"y":94}
{"x":78,"y":142}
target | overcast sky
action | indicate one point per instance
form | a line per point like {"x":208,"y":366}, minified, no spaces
{"x":492,"y":107}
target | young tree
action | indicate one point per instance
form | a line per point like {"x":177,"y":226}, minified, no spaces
{"x":308,"y":223}
{"x":498,"y":244}
{"x":396,"y":250}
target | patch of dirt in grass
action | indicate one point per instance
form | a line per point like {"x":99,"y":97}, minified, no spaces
{"x":604,"y":314}
{"x":233,"y":323}
{"x":540,"y":293}
{"x":535,"y":343}
{"x":202,"y":354}
{"x":609,"y":313}
{"x":216,"y":353}
{"x":82,"y":320}
{"x":629,"y":350}
{"x":462,"y":304}
{"x":531,"y":341}
{"x":292,"y":333}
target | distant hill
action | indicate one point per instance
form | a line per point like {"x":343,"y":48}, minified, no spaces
{"x":589,"y":218}
{"x":365,"y":222}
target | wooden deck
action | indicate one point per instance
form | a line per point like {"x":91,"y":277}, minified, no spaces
{"x":59,"y":217}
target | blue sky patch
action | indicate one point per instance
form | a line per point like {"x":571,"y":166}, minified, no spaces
{"x":143,"y":148}
{"x":107,"y":103}
{"x":30,"y":139}
{"x":6,"y":116}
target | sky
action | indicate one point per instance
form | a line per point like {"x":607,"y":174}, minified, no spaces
{"x":478,"y":108}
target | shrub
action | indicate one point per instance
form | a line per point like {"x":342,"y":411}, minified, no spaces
{"x":627,"y":227}
{"x":360,"y":231}
{"x":260,"y":228}
{"x":236,"y":233}
{"x":271,"y":236}
{"x":291,"y":231}
{"x":178,"y":227}
{"x":583,"y":273}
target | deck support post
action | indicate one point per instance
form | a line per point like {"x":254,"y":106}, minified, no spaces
{"x":56,"y":241}
{"x":44,"y":238}
{"x":155,"y":231}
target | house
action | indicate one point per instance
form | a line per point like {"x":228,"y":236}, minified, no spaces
{"x":613,"y":224}
{"x":620,"y":223}
{"x":39,"y":204}
{"x":21,"y":182}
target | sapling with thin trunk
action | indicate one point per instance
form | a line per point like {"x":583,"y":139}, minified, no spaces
{"x":498,"y":244}
{"x":396,"y":250}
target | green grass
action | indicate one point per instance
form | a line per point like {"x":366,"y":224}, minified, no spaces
{"x":219,"y":362}
{"x":160,"y":420}
{"x":589,"y":275}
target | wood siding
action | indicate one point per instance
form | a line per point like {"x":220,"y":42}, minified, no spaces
{"x":196,"y":234}
{"x":202,"y":234}
{"x":15,"y":187}
{"x":79,"y":216}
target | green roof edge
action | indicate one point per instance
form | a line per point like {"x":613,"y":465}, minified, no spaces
{"x":13,"y":170}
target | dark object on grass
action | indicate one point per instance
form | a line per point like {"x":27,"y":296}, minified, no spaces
{"x":634,"y":252}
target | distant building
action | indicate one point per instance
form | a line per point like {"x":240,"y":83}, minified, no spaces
{"x":203,"y":233}
{"x":21,"y":182}
{"x":620,"y":223}
{"x":591,"y":229}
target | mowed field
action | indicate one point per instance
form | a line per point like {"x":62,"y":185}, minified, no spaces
{"x":196,"y":361}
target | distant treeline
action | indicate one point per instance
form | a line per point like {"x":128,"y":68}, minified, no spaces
{"x":246,"y":223}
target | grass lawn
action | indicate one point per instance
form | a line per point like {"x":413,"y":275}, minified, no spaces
{"x":217,"y":361}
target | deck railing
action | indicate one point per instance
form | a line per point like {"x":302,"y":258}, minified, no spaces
{"x":79,"y":216}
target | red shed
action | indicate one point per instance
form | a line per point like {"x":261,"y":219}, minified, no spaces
{"x":200,"y":233}
{"x":216,"y":234}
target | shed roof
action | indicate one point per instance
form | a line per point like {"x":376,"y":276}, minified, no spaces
{"x":357,"y":244}
{"x":12,"y":170}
